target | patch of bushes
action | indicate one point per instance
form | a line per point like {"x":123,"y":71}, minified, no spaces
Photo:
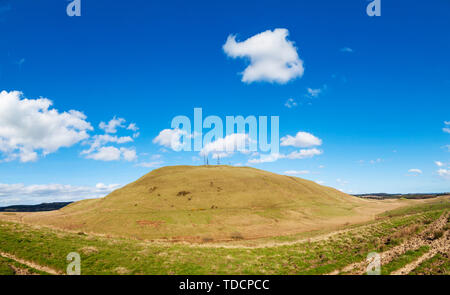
{"x":207,"y":239}
{"x":183,"y":193}
{"x":437,"y":234}
{"x":237,"y":236}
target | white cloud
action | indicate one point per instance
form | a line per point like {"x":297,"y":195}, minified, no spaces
{"x":170,"y":138}
{"x":296,"y":172}
{"x":155,"y":161}
{"x":115,"y":123}
{"x":100,"y":140}
{"x":313,"y":92}
{"x":29,"y":126}
{"x":446,"y":129}
{"x":444,"y":173}
{"x":346,"y":49}
{"x":301,"y":139}
{"x":132,"y":127}
{"x":156,"y":156}
{"x":99,"y":151}
{"x":112,"y":125}
{"x":272,"y":57}
{"x":149,"y":164}
{"x":27,"y":156}
{"x":376,"y":161}
{"x":111,"y":153}
{"x":439,"y":164}
{"x":14,"y":194}
{"x":341,"y":182}
{"x":105,"y":153}
{"x":226,"y":146}
{"x":266,"y":158}
{"x":128,"y":154}
{"x":306,"y":153}
{"x":301,"y":154}
{"x":415,"y":170}
{"x":290,"y":103}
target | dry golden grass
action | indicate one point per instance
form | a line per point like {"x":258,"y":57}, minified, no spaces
{"x":212,"y":203}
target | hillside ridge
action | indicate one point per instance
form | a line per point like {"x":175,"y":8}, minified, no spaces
{"x":210,"y":203}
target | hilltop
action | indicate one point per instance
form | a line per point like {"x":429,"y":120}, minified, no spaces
{"x":206,"y":203}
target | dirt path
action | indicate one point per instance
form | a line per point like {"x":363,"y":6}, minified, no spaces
{"x":270,"y":244}
{"x":442,"y":245}
{"x":20,"y":271}
{"x":31,"y":264}
{"x":413,"y":243}
{"x":273,"y":244}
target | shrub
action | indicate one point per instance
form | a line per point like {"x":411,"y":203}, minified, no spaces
{"x":207,"y":239}
{"x":237,"y":236}
{"x":183,"y":193}
{"x":438,"y":234}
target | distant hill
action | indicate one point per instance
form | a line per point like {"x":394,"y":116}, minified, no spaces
{"x":383,"y":196}
{"x":201,"y":203}
{"x":35,"y":208}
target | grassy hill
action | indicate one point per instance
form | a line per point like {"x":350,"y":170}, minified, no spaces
{"x":210,"y":203}
{"x":403,"y":237}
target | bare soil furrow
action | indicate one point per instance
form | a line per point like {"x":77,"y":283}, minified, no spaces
{"x":415,"y":242}
{"x":441,"y":245}
{"x":31,"y":264}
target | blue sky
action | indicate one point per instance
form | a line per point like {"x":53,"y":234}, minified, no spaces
{"x":380,"y":103}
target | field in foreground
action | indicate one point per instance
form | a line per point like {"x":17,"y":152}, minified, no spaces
{"x":411,"y":240}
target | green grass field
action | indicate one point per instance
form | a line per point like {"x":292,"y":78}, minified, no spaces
{"x":282,"y":255}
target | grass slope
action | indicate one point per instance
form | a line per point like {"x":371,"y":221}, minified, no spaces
{"x":205,"y":203}
{"x":102,"y":255}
